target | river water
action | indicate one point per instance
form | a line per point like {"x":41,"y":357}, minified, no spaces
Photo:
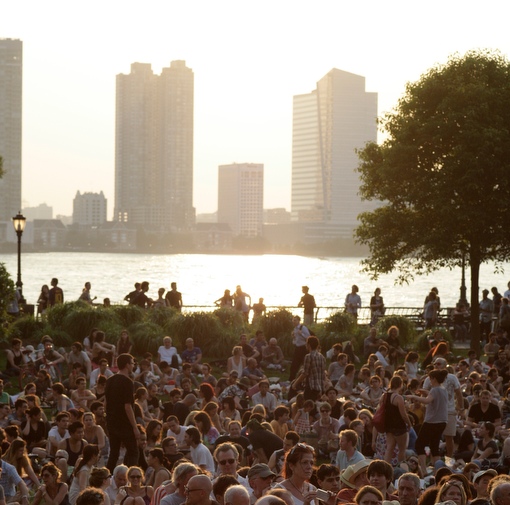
{"x":203,"y":278}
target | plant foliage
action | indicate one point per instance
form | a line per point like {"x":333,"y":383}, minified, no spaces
{"x":442,"y":174}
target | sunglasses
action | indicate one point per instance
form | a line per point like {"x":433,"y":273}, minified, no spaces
{"x":135,"y":476}
{"x":301,"y":446}
{"x":325,"y":410}
{"x":230,"y":461}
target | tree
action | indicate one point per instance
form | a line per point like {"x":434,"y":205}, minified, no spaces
{"x":6,"y":290}
{"x":442,"y":174}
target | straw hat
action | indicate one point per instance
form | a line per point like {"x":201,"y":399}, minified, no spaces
{"x":351,"y":472}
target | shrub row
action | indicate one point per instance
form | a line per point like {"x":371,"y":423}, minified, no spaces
{"x":214,"y":332}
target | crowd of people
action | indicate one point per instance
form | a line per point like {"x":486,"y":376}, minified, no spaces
{"x":95,"y":425}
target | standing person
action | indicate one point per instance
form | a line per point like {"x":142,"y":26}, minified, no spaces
{"x":174,"y":298}
{"x":226,"y":301}
{"x":353,"y":301}
{"x":299,"y":336}
{"x":486,"y":311}
{"x":55,"y":295}
{"x":130,"y":297}
{"x":120,"y":415}
{"x":308,"y":303}
{"x":240,"y":302}
{"x":430,"y":310}
{"x":85,"y":294}
{"x":455,"y":403}
{"x":141,"y":299}
{"x":259,"y":310}
{"x":43,"y":300}
{"x":377,"y":308}
{"x":397,"y":421}
{"x":314,"y":372}
{"x":436,"y":417}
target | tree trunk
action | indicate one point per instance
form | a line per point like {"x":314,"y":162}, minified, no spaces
{"x":475,"y":308}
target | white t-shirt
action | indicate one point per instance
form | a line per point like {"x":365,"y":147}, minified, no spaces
{"x":178,"y":438}
{"x":201,"y":456}
{"x":167,"y":354}
{"x":451,"y":384}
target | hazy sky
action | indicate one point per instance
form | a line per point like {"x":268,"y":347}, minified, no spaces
{"x":249,"y":59}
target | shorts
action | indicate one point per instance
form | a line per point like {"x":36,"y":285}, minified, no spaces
{"x":451,"y":425}
{"x":397,"y":433}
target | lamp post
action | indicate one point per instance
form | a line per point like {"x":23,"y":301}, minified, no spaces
{"x":19,"y":222}
{"x":463,"y":298}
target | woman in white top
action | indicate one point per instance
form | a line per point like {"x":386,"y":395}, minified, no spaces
{"x":82,"y":471}
{"x":237,"y":361}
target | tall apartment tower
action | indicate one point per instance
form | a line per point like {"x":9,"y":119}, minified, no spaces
{"x":154,"y":148}
{"x":241,"y":198}
{"x":89,"y":209}
{"x":328,"y":125}
{"x":11,"y":77}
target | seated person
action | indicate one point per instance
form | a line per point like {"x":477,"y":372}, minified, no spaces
{"x":102,"y":370}
{"x":192,"y":355}
{"x":252,"y":372}
{"x":484,"y":411}
{"x":167,"y":352}
{"x":272,"y":356}
{"x":265,"y":398}
{"x":82,"y":397}
{"x":372,"y":395}
{"x":280,"y":423}
{"x":345,"y":384}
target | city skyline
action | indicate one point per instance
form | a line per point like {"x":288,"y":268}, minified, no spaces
{"x":248,"y":64}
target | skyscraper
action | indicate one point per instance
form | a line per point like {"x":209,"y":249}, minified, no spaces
{"x":241,"y":198}
{"x":154,"y":148}
{"x":328,"y":125}
{"x":11,"y":76}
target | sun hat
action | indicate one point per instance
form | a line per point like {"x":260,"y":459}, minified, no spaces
{"x":350,"y":474}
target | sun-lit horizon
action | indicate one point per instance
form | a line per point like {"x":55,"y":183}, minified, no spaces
{"x":249,"y":60}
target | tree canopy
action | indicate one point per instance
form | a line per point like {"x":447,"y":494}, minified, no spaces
{"x":442,"y":174}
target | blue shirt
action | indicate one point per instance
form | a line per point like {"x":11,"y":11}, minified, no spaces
{"x":9,"y":480}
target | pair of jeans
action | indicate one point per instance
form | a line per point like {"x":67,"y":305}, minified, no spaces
{"x":130,"y":443}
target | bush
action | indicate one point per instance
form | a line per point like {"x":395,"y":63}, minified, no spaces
{"x":230,"y":318}
{"x":27,"y":329}
{"x":423,"y":342}
{"x":128,"y":314}
{"x":161,"y":316}
{"x":406,"y":329}
{"x":60,"y":338}
{"x":203,"y":327}
{"x":341,"y":323}
{"x":146,"y":337}
{"x":55,"y":315}
{"x":80,"y":322}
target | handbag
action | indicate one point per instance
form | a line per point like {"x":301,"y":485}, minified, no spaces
{"x":378,"y":421}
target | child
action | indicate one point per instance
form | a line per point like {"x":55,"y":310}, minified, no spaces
{"x":302,"y":418}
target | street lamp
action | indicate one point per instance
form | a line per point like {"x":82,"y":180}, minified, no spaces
{"x":19,"y":222}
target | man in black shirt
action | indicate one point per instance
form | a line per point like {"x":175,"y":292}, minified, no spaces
{"x":174,"y":298}
{"x":308,"y":303}
{"x":120,"y":416}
